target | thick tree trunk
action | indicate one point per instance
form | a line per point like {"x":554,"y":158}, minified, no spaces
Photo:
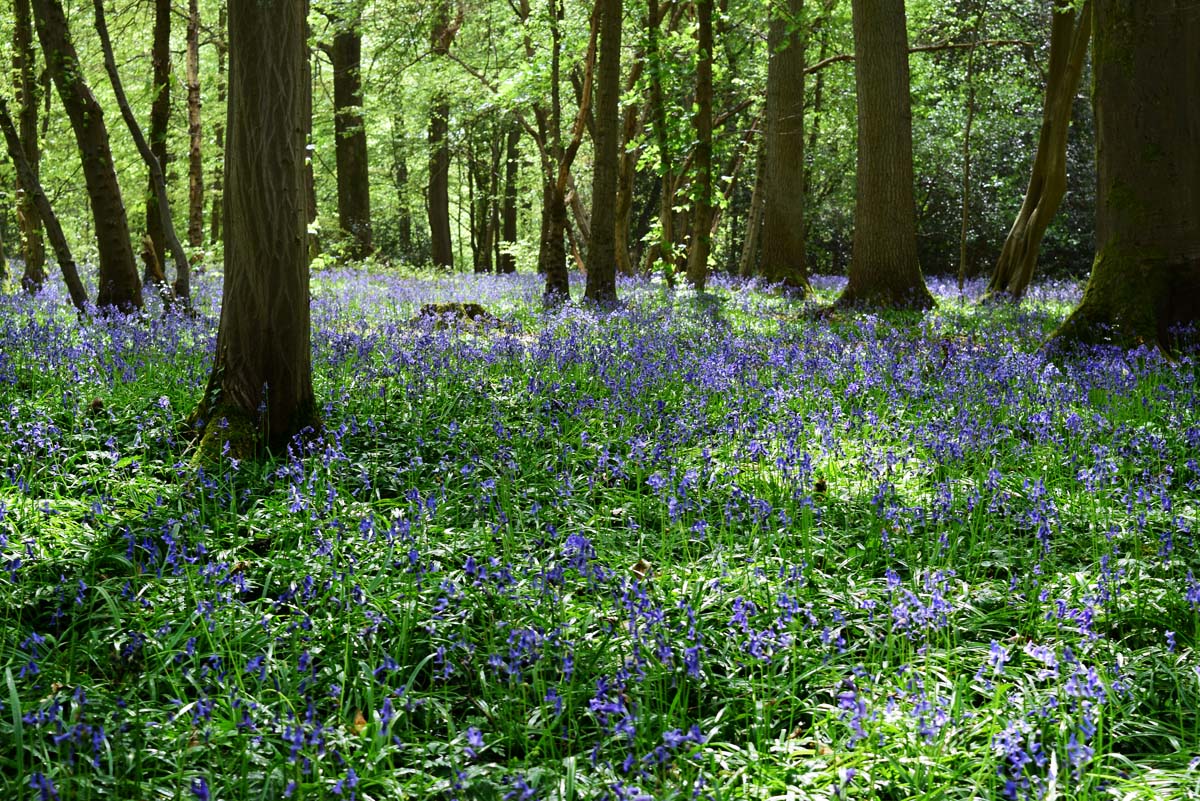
{"x":262,"y":376}
{"x":160,"y":121}
{"x":1070,"y":33}
{"x":439,"y":186}
{"x":26,"y":89}
{"x":783,"y":258}
{"x":195,"y":131}
{"x":884,"y":270}
{"x":552,"y":253}
{"x":27,"y":178}
{"x":1146,"y":277}
{"x":353,"y":177}
{"x":214,"y":235}
{"x":157,"y":179}
{"x":602,"y":244}
{"x":119,"y":286}
{"x":508,"y":214}
{"x":701,"y":244}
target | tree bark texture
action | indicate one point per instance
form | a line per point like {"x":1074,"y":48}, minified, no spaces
{"x":262,"y":373}
{"x":119,"y":285}
{"x":754,"y":218}
{"x":508,"y":214}
{"x":162,"y":207}
{"x":404,"y":241}
{"x":353,"y":178}
{"x":1070,"y":33}
{"x":701,"y":244}
{"x":1146,"y":277}
{"x":160,"y":121}
{"x":602,"y":244}
{"x":28,"y":180}
{"x":195,"y":130}
{"x":441,"y":38}
{"x":26,"y":90}
{"x":884,"y":269}
{"x":218,"y":181}
{"x":658,"y":115}
{"x":783,"y":258}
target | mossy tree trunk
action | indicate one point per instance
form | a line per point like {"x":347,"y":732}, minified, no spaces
{"x":119,"y":285}
{"x":1070,"y":33}
{"x":1146,"y":276}
{"x":262,"y":374}
{"x":783,"y":258}
{"x":884,"y":270}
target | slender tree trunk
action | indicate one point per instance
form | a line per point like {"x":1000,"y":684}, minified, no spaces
{"x":157,"y":179}
{"x":966,"y":148}
{"x":119,"y":286}
{"x":27,"y":178}
{"x":658,"y":114}
{"x":353,"y":176}
{"x":754,"y":218}
{"x":160,"y":121}
{"x":25,"y":83}
{"x":1145,"y":281}
{"x":262,"y":374}
{"x":783,"y":257}
{"x":884,"y":269}
{"x":400,"y":178}
{"x":602,"y":244}
{"x":630,"y":150}
{"x":1070,"y":33}
{"x":512,"y":164}
{"x":195,"y":131}
{"x":441,"y":38}
{"x":701,"y":244}
{"x":219,"y":133}
{"x":310,"y":178}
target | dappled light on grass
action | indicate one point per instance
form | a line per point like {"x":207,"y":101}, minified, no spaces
{"x":700,"y":546}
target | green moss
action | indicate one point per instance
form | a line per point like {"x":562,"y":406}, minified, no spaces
{"x":230,"y":426}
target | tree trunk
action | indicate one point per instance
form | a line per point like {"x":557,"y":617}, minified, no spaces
{"x":353,"y":177}
{"x":884,"y":270}
{"x":160,"y":121}
{"x":400,"y":178}
{"x":262,"y":374}
{"x":1145,"y":281}
{"x":218,"y":180}
{"x":119,"y":286}
{"x":26,"y":89}
{"x":783,"y":258}
{"x":701,"y":244}
{"x":441,"y":37}
{"x":658,"y":115}
{"x":754,"y":218}
{"x":27,"y":178}
{"x":602,"y":244}
{"x":552,"y":253}
{"x":508,"y":215}
{"x":1070,"y":33}
{"x":966,"y":148}
{"x":157,"y":179}
{"x":195,"y":131}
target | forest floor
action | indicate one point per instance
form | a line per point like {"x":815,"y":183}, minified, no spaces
{"x":709,"y":547}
